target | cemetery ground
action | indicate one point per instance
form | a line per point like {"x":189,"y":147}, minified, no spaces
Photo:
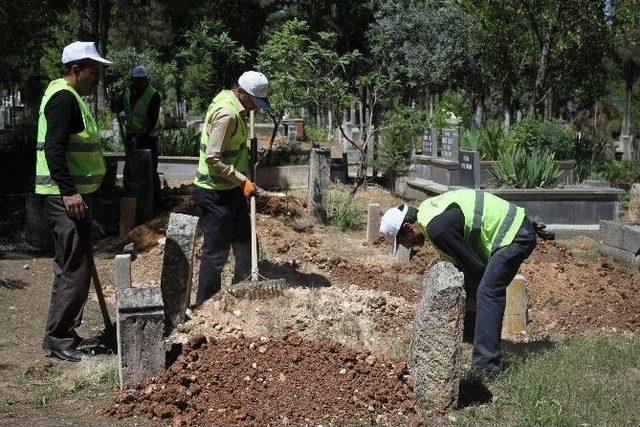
{"x":332,"y":349}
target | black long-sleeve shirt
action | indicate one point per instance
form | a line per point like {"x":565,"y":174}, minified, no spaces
{"x":446,"y":232}
{"x":64,"y":118}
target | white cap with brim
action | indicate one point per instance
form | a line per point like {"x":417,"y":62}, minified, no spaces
{"x":257,"y":86}
{"x":392,"y":221}
{"x":82,"y":50}
{"x":139,"y":72}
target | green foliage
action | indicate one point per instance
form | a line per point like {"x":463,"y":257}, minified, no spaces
{"x":516,"y":168}
{"x":111,"y":145}
{"x":400,"y":131}
{"x":344,"y":216}
{"x":453,"y":105}
{"x":288,"y":154}
{"x":316,"y":134}
{"x":489,"y":140}
{"x":583,"y":381}
{"x":304,"y":70}
{"x":180,"y":142}
{"x":540,"y":135}
{"x":212,"y":61}
{"x":621,"y":173}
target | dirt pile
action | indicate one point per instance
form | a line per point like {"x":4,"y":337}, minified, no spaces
{"x":568,"y":294}
{"x":280,"y":206}
{"x":266,"y":382}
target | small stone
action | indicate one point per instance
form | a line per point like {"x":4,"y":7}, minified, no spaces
{"x":237,"y":313}
{"x":343,"y":371}
{"x":26,"y":266}
{"x":264,"y":339}
{"x":370,"y":408}
{"x":252,"y":346}
{"x":228,"y":330}
{"x":254,"y":365}
{"x":247,"y":378}
{"x":162,"y":241}
{"x":218,"y":327}
{"x":371,"y":359}
{"x":262,"y":349}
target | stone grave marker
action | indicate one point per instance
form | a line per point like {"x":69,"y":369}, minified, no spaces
{"x":429,"y":143}
{"x":142,"y":183}
{"x":319,"y":181}
{"x":177,"y":268}
{"x":515,"y":313}
{"x":373,"y":222}
{"x":450,"y":144}
{"x":436,"y":343}
{"x":469,"y":169}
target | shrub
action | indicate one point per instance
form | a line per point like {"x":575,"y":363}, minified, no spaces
{"x":621,"y":173}
{"x":344,"y":216}
{"x":489,"y":140}
{"x":401,"y":129}
{"x":315,"y":134}
{"x":535,"y":135}
{"x":515,"y":168}
{"x":287,"y":154}
{"x":181,"y":142}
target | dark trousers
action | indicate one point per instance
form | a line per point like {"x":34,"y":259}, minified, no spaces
{"x":225,"y":223}
{"x":72,"y":266}
{"x":490,"y":294}
{"x":150,"y":143}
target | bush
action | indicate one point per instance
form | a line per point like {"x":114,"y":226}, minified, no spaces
{"x":489,"y":140}
{"x":315,"y":134}
{"x":516,"y":168}
{"x":400,"y":132}
{"x":287,"y":154}
{"x":621,"y":173}
{"x":181,"y":142}
{"x":345,"y":217}
{"x":547,"y":135}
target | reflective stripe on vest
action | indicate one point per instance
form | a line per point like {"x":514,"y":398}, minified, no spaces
{"x":236,"y":152}
{"x":138,"y":115}
{"x":489,"y":221}
{"x":83,"y":156}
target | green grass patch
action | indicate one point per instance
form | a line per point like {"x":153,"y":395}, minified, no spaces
{"x":582,"y":381}
{"x":345,"y":217}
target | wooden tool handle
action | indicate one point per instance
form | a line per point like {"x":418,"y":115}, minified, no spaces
{"x":254,"y":242}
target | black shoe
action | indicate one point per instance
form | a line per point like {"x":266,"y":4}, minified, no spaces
{"x":84,"y":343}
{"x":70,"y":354}
{"x":480,"y":375}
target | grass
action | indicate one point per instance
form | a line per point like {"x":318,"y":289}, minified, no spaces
{"x":345,"y":217}
{"x":584,"y":381}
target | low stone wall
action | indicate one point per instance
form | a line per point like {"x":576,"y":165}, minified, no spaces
{"x":275,"y":177}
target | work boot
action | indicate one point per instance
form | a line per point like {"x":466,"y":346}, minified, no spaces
{"x":69,"y":355}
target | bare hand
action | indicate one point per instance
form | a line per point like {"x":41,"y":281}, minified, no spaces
{"x":75,"y":207}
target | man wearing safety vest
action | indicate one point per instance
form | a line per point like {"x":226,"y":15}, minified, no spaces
{"x":485,"y":237}
{"x":221,"y":183}
{"x":69,"y":167}
{"x":140,"y":105}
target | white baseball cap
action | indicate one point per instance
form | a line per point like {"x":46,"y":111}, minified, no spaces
{"x":139,"y":71}
{"x":392,"y":220}
{"x":82,"y":50}
{"x":257,"y":86}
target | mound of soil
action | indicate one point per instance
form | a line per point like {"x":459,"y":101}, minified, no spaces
{"x":370,"y":277}
{"x":280,"y":206}
{"x":567,"y":294}
{"x":273,"y":382}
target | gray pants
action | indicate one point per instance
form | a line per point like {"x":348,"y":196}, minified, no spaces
{"x":72,"y":266}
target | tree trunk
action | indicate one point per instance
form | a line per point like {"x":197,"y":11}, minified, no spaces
{"x":626,"y":117}
{"x":479,"y":101}
{"x":548,"y":105}
{"x":537,"y":106}
{"x":506,"y":105}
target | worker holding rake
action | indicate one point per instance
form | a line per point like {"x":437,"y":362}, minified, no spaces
{"x":485,"y":237}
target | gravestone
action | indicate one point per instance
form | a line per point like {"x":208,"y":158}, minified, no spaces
{"x":429,"y":143}
{"x":319,"y":181}
{"x":450,"y":144}
{"x":634,"y":204}
{"x":515,"y":313}
{"x":469,"y":169}
{"x":373,"y":222}
{"x":141,"y":184}
{"x":436,"y":342}
{"x":140,"y":328}
{"x":177,"y":268}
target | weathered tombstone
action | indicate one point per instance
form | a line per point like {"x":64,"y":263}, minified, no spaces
{"x":469,"y":169}
{"x":436,"y":341}
{"x":142,"y":183}
{"x":373,"y":222}
{"x":319,"y":181}
{"x":634,"y":204}
{"x":177,"y":268}
{"x":140,"y":328}
{"x":515,"y":313}
{"x":127,"y":215}
{"x":429,"y":143}
{"x":403,"y":254}
{"x":450,"y":144}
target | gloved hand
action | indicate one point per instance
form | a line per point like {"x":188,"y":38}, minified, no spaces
{"x":248,"y":188}
{"x":540,"y":231}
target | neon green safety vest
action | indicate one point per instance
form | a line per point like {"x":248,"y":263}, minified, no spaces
{"x":490,"y":222}
{"x":84,"y":156}
{"x":236,"y":153}
{"x":137,"y":116}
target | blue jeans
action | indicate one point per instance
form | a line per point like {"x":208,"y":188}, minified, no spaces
{"x":225,"y":224}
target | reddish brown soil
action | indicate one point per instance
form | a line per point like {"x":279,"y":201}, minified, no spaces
{"x":370,"y":277}
{"x":568,"y":295}
{"x":278,"y":382}
{"x":280,"y":206}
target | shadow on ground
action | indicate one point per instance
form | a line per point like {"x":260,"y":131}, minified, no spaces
{"x":292,"y":276}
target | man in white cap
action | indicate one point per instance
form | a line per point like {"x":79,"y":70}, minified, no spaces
{"x":221,"y":183}
{"x":69,"y":168}
{"x":484,"y":236}
{"x":140,"y":105}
